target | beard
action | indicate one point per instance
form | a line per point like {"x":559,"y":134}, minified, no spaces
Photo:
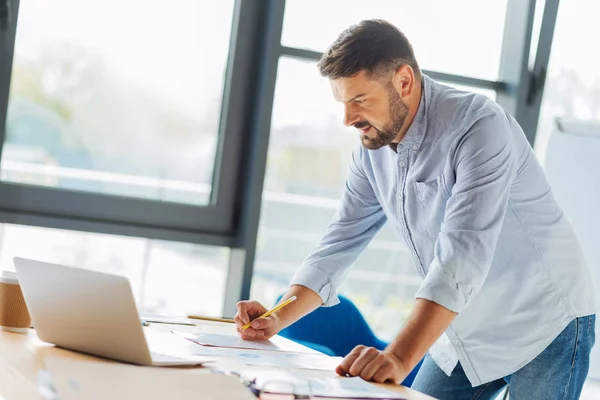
{"x":387,"y":134}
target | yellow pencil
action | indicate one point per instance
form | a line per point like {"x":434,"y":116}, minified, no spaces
{"x":271,"y":311}
{"x":216,"y":319}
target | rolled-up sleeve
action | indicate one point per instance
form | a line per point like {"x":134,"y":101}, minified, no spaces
{"x":358,"y":218}
{"x":485,"y":166}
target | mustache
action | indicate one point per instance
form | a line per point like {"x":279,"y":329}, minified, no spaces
{"x":361,"y":124}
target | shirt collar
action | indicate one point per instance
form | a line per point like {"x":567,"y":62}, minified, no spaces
{"x":416,"y":132}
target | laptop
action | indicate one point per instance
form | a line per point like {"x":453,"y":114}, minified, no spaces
{"x":95,"y":313}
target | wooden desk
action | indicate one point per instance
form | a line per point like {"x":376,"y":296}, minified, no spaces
{"x":22,"y":356}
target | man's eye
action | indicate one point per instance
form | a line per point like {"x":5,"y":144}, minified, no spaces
{"x":359,"y":101}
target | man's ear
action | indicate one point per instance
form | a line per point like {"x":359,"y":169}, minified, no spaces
{"x":404,"y":80}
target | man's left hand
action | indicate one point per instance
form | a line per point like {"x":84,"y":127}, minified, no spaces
{"x":372,"y":365}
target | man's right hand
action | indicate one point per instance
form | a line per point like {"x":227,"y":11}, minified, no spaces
{"x":262,"y":328}
{"x":265,"y":328}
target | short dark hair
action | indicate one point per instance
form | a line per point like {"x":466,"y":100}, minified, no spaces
{"x":374,"y":45}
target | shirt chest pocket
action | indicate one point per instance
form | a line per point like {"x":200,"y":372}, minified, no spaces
{"x":431,"y":196}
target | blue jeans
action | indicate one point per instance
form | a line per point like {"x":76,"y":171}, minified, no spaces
{"x":557,"y":373}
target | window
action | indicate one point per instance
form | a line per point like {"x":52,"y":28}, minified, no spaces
{"x":573,"y":80}
{"x":307,"y":164}
{"x":117,"y":97}
{"x":124,"y":113}
{"x":445,"y":35}
{"x":166,"y":277}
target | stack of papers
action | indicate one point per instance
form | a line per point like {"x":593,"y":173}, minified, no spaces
{"x":278,"y":359}
{"x":287,"y":382}
{"x":263,"y":353}
{"x":284,"y":381}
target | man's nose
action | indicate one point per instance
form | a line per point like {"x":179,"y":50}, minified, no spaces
{"x":350,"y":117}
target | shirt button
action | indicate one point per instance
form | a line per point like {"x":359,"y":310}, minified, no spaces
{"x":402,"y":163}
{"x":415,"y":147}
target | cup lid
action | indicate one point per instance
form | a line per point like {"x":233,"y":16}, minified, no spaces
{"x":9,"y":277}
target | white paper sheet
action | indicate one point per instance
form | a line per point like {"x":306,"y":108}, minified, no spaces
{"x":279,"y":359}
{"x":232,"y":341}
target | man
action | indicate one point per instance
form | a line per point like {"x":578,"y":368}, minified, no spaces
{"x":506,"y":296}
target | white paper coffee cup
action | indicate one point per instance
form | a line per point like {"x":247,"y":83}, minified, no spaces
{"x":14,"y":316}
{"x":9,"y":277}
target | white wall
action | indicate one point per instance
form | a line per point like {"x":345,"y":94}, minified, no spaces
{"x":573,"y":167}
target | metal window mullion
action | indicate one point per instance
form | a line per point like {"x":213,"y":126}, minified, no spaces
{"x":62,"y":203}
{"x":264,"y":22}
{"x":537,"y":77}
{"x":8,"y":30}
{"x":498,"y":86}
{"x":234,"y":107}
{"x":110,"y":228}
{"x":514,"y":61}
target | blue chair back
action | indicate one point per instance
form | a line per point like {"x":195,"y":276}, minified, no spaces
{"x":336,"y":331}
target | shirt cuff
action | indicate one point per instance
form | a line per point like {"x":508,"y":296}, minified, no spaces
{"x":443,"y":290}
{"x":318,"y":281}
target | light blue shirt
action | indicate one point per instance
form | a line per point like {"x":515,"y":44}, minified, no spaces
{"x":489,"y":240}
